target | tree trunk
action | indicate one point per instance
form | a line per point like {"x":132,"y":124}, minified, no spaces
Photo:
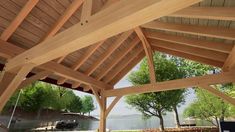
{"x":161,"y":122}
{"x":39,"y":113}
{"x":222,"y":112}
{"x":177,"y":121}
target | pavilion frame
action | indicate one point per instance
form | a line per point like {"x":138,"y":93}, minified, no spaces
{"x":105,"y":25}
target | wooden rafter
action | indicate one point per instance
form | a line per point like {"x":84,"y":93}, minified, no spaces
{"x":90,"y":51}
{"x":63,"y":18}
{"x":148,"y":52}
{"x":127,"y":68}
{"x":34,"y":78}
{"x":215,"y":46}
{"x":214,"y":13}
{"x":101,"y":26}
{"x":106,"y":54}
{"x":189,"y":56}
{"x":216,"y":32}
{"x":224,"y":77}
{"x":122,"y":64}
{"x":221,"y":57}
{"x":10,"y":82}
{"x":66,"y":72}
{"x":61,"y":21}
{"x":230,"y":61}
{"x":54,"y":67}
{"x":118,"y":57}
{"x":86,"y":11}
{"x":18,"y":20}
{"x":108,"y":3}
{"x":216,"y":92}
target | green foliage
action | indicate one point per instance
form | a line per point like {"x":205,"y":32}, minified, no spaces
{"x":150,"y":104}
{"x":41,"y":95}
{"x":209,"y":107}
{"x":166,"y":68}
{"x":87,"y":104}
{"x":75,"y":105}
{"x":156,"y":104}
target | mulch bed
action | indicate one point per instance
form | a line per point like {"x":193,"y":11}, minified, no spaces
{"x":190,"y":129}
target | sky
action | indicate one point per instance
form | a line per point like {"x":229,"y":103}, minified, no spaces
{"x":122,"y":108}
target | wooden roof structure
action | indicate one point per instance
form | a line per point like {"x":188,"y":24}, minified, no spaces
{"x":89,"y":45}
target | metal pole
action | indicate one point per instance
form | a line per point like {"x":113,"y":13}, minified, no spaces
{"x":9,"y":123}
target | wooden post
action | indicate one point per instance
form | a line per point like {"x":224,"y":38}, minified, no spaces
{"x":9,"y":82}
{"x":102,"y":127}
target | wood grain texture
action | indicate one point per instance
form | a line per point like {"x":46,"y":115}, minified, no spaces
{"x":224,"y":77}
{"x":101,"y":26}
{"x":208,"y":31}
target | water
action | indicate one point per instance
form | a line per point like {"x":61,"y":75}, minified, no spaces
{"x":131,"y":122}
{"x":114,"y":123}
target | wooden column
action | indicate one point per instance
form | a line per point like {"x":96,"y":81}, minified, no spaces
{"x":102,"y":100}
{"x":102,"y":126}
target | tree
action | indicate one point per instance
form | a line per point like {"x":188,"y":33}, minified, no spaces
{"x":40,"y":95}
{"x":209,"y":107}
{"x":87,"y":104}
{"x":75,"y":105}
{"x":156,"y":104}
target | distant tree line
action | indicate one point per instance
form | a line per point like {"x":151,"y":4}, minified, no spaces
{"x":40,"y":95}
{"x":158,"y":103}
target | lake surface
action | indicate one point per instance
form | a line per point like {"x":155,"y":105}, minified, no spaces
{"x":113,"y":123}
{"x":131,"y":122}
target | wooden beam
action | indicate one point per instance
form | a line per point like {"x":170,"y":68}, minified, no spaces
{"x":127,"y":69}
{"x":86,"y":11}
{"x":118,"y":57}
{"x":34,"y":78}
{"x":224,"y":77}
{"x":63,"y":18}
{"x":230,"y":61}
{"x":122,"y":64}
{"x":53,"y":66}
{"x":109,"y":2}
{"x":114,"y":102}
{"x":90,"y":51}
{"x":219,"y":94}
{"x":148,"y":52}
{"x":208,"y":31}
{"x":96,"y":94}
{"x":189,"y":56}
{"x":213,"y":13}
{"x":221,"y":57}
{"x":106,"y":54}
{"x":72,"y":75}
{"x":10,"y":82}
{"x":107,"y":23}
{"x":18,"y":20}
{"x":61,"y":21}
{"x":215,"y":46}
